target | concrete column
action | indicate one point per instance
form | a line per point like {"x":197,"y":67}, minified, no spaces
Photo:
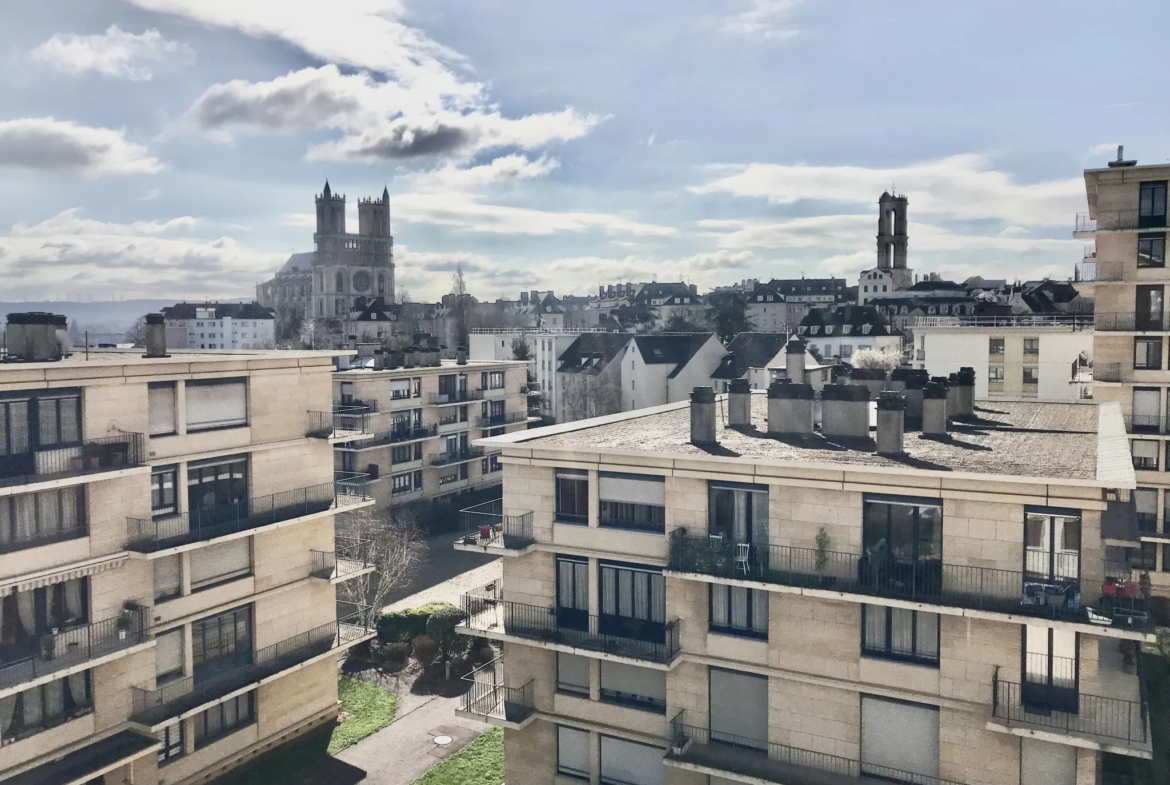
{"x":180,"y":408}
{"x":594,"y":758}
{"x":594,"y":680}
{"x":594,"y":587}
{"x":184,"y":573}
{"x":594,"y":499}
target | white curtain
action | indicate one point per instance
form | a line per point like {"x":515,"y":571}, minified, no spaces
{"x":739,"y":607}
{"x":73,"y":604}
{"x":759,"y":610}
{"x":7,"y":709}
{"x":641,"y":595}
{"x":5,"y":521}
{"x":927,"y":634}
{"x":719,"y":604}
{"x":77,"y":691}
{"x":875,"y":627}
{"x":657,"y":598}
{"x":70,"y":508}
{"x":55,"y":699}
{"x":902,"y":630}
{"x":26,"y":516}
{"x":26,"y":611}
{"x":30,"y":702}
{"x":48,"y":513}
{"x":609,"y":591}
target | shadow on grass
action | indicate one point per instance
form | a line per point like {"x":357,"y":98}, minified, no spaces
{"x":302,"y":761}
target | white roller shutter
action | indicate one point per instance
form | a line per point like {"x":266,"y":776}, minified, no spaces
{"x":739,"y":706}
{"x":572,"y":673}
{"x":637,"y":764}
{"x":899,"y":736}
{"x":166,"y":577}
{"x":632,"y":489}
{"x":573,"y":751}
{"x":220,"y":404}
{"x":1046,"y":763}
{"x":168,"y":653}
{"x":161,"y":406}
{"x":632,"y":680}
{"x":218,"y":563}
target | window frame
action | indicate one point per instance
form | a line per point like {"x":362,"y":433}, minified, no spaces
{"x":888,"y":652}
{"x":752,"y":631}
{"x":1156,"y":241}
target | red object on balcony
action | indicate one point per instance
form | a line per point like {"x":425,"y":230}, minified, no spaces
{"x":485,"y":532}
{"x":1120,"y":589}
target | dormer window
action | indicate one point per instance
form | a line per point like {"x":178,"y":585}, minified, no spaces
{"x":865,"y":328}
{"x":761,"y":298}
{"x":846,"y":329}
{"x":828,"y":329}
{"x":769,"y":298}
{"x":801,"y":330}
{"x":930,"y":310}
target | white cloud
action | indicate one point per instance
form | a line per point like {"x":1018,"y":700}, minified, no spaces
{"x":114,"y":53}
{"x":1105,"y":148}
{"x":764,"y":19}
{"x":60,"y":146}
{"x":508,"y":168}
{"x":75,"y":256}
{"x":962,"y":186}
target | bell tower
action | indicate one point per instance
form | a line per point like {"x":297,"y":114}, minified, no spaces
{"x":892,"y":239}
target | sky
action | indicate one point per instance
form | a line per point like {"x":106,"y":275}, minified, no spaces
{"x":172,"y":148}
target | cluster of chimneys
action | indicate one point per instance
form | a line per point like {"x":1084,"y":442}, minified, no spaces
{"x":904,"y":397}
{"x":411,"y":357}
{"x":39,"y":337}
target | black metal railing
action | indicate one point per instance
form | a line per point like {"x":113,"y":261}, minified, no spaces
{"x":952,"y":585}
{"x":490,"y":699}
{"x":617,"y":635}
{"x":36,"y":539}
{"x":340,"y":423}
{"x":147,"y":535}
{"x":1129,"y":322}
{"x":109,"y":453}
{"x":1119,"y":220}
{"x":447,"y":458}
{"x":502,"y":419}
{"x":460,"y":396}
{"x":329,"y":565}
{"x":355,"y":403}
{"x":152,"y":706}
{"x":1143,"y":423}
{"x":1090,"y":715}
{"x":486,"y":525}
{"x":76,"y":645}
{"x":773,"y":762}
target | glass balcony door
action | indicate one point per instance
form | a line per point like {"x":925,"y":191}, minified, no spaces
{"x":633,"y":603}
{"x":1051,"y":669}
{"x":903,"y":545}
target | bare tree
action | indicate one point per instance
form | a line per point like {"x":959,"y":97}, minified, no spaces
{"x":137,"y":333}
{"x":393,"y":542}
{"x":459,"y":289}
{"x":589,"y":396}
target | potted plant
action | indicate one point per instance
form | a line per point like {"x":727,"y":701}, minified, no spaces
{"x":125,"y":621}
{"x":822,"y":556}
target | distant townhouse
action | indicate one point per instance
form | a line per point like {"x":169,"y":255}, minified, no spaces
{"x":842,"y":331}
{"x":749,"y":356}
{"x":220,"y":326}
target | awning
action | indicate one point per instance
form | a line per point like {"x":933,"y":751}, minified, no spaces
{"x":35,"y":580}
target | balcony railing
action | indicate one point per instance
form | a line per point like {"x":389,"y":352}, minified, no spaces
{"x":330,"y":566}
{"x":341,"y":423}
{"x":779,"y":763}
{"x":486,"y":525}
{"x":1129,"y":322}
{"x":1112,"y":372}
{"x":448,"y":458}
{"x":397,"y":435}
{"x":491,"y":700}
{"x":153,"y":706}
{"x":76,"y":645}
{"x":616,"y":635}
{"x":1118,"y":221}
{"x":460,"y":396}
{"x":1080,"y":321}
{"x":1089,"y":715}
{"x":950,"y":585}
{"x":147,"y":536}
{"x":503,"y":419}
{"x":355,"y":403}
{"x":91,"y":456}
{"x":1085,"y":272}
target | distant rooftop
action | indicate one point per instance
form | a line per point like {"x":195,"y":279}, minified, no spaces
{"x":79,"y":361}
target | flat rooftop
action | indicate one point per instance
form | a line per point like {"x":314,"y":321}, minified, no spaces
{"x":101,"y":363}
{"x":1070,"y":442}
{"x":445,"y":366}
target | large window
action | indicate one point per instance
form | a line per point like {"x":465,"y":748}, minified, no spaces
{"x":218,"y":403}
{"x":161,"y":408}
{"x":1145,"y":502}
{"x":995,"y":345}
{"x":1031,"y":347}
{"x":168,"y":656}
{"x":573,"y":753}
{"x":216,"y":564}
{"x":37,"y":518}
{"x":572,"y":495}
{"x":625,"y":762}
{"x":172,"y":743}
{"x":221,"y":643}
{"x":32,"y":420}
{"x":1052,"y":542}
{"x":633,"y":601}
{"x":31,"y":613}
{"x":1051,"y":669}
{"x":1152,"y":204}
{"x":1151,"y":250}
{"x":163,"y":480}
{"x":1145,"y":454}
{"x":45,"y":706}
{"x":903,"y":542}
{"x":632,"y":501}
{"x":1147,"y":354}
{"x":572,"y":592}
{"x":217,"y":488}
{"x":1149,"y":305}
{"x":738,"y":611}
{"x":629,"y":685}
{"x":899,"y":634}
{"x":224,"y":718}
{"x":572,"y":674}
{"x":737,"y":513}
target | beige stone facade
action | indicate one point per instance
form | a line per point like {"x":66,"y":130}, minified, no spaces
{"x":166,"y":530}
{"x":422,"y":423}
{"x":793,"y":681}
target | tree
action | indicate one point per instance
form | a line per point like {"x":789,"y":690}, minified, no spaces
{"x":677,"y":323}
{"x":589,"y":396}
{"x":883,"y":359}
{"x":727,"y":315}
{"x":392,"y":541}
{"x":459,"y":289}
{"x":137,"y":334}
{"x":520,"y":349}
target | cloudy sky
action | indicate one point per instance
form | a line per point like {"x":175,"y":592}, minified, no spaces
{"x":172,"y":148}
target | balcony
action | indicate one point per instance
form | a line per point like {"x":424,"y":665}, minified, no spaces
{"x":356,"y":403}
{"x":459,"y":456}
{"x":460,"y":396}
{"x":1112,"y":372}
{"x":343,"y":424}
{"x":151,"y":707}
{"x":1142,"y":423}
{"x":1117,"y":221}
{"x":716,"y":753}
{"x":1043,"y":707}
{"x":616,"y":636}
{"x":489,"y":701}
{"x":485,"y":526}
{"x":148,"y":536}
{"x":1122,"y":603}
{"x":349,"y":561}
{"x":92,"y":456}
{"x":503,"y":419}
{"x":1129,"y":322}
{"x":72,"y":646}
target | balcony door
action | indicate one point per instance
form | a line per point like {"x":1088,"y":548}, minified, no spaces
{"x":221,"y":643}
{"x":1152,"y":204}
{"x":738,"y":513}
{"x":903,"y":544}
{"x":573,"y":593}
{"x":1149,"y":307}
{"x":739,"y":708}
{"x":633,"y":602}
{"x":217,"y":490}
{"x":1052,"y":547}
{"x":32,"y":421}
{"x":1051,"y":668}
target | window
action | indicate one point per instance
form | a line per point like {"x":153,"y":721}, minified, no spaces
{"x":402,"y":454}
{"x":416,"y":386}
{"x":625,"y":762}
{"x":225,"y":718}
{"x":1031,"y":347}
{"x":738,"y":513}
{"x":898,"y":736}
{"x":995,"y":345}
{"x":161,"y":406}
{"x":46,"y":706}
{"x":738,"y":708}
{"x":1052,"y":545}
{"x":222,"y":403}
{"x":1146,"y":557}
{"x":633,"y":601}
{"x":172,"y":743}
{"x":903,"y":542}
{"x":1147,"y":354}
{"x":167,"y":578}
{"x":1145,"y":454}
{"x":168,"y":655}
{"x":37,"y":518}
{"x":632,"y":501}
{"x":216,"y":564}
{"x":162,"y":490}
{"x":447,"y":385}
{"x":572,"y":674}
{"x":1145,"y":502}
{"x":629,"y":685}
{"x":1166,"y":557}
{"x":572,"y":592}
{"x":995,"y":374}
{"x":1050,"y":667}
{"x":490,"y":464}
{"x":1151,"y":250}
{"x":399,"y":389}
{"x":1149,"y":304}
{"x":1152,"y":204}
{"x":1031,"y":375}
{"x":217,"y":489}
{"x":401,"y":483}
{"x":222,"y":642}
{"x":738,"y":611}
{"x":899,"y":634}
{"x":572,"y":496}
{"x":573,"y":752}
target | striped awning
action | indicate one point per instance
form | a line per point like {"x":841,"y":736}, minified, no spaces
{"x":21,"y":583}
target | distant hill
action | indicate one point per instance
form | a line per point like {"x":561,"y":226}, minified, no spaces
{"x":97,"y":317}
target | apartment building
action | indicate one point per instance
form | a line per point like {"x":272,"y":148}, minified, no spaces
{"x":424,"y":416}
{"x":728,"y":590}
{"x":1048,"y":357}
{"x":220,"y":326}
{"x":1127,"y":220}
{"x":167,"y":558}
{"x":545,"y":347}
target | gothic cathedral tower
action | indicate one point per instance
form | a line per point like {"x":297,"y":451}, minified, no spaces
{"x":349,"y":269}
{"x":892,"y":239}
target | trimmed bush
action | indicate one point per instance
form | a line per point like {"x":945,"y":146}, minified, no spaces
{"x":441,"y":628}
{"x":392,"y":656}
{"x":401,"y":626}
{"x":425,"y":650}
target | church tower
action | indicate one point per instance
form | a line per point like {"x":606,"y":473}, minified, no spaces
{"x":330,"y":212}
{"x":892,"y":239}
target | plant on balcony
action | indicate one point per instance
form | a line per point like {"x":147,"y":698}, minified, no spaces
{"x":125,"y":620}
{"x":822,"y":542}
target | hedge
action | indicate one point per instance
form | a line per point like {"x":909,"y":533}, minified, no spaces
{"x":412,"y":622}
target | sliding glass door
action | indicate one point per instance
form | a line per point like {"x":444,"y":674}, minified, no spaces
{"x":633,"y":602}
{"x":903,"y":544}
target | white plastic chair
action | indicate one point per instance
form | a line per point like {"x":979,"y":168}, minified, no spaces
{"x":742,"y":554}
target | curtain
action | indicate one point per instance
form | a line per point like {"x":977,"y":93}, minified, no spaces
{"x":73,"y":605}
{"x":759,"y":610}
{"x":78,"y":691}
{"x":30,"y":702}
{"x":901,"y":630}
{"x":55,"y":700}
{"x":740,"y":527}
{"x":26,"y":612}
{"x":719,"y":604}
{"x":641,"y":595}
{"x":759,"y":503}
{"x":48,"y":514}
{"x":70,"y":508}
{"x":7,"y":709}
{"x":739,"y":607}
{"x":875,"y":627}
{"x":657,"y":598}
{"x":927,"y":634}
{"x":609,"y":591}
{"x":625,"y":593}
{"x":5,"y":522}
{"x":26,"y":516}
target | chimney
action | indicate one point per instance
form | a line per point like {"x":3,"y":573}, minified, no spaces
{"x":913,"y":392}
{"x":703,"y":416}
{"x":524,"y":298}
{"x":600,"y":292}
{"x":534,"y":297}
{"x":156,"y":335}
{"x":379,"y":359}
{"x":898,"y":378}
{"x":934,"y":409}
{"x":874,"y":379}
{"x":408,"y":358}
{"x":891,"y":423}
{"x":952,"y":382}
{"x":794,"y":360}
{"x":694,"y":290}
{"x":966,"y":385}
{"x":37,"y":337}
{"x":461,"y":355}
{"x":845,"y":411}
{"x":395,"y":360}
{"x":739,"y":404}
{"x":790,"y":408}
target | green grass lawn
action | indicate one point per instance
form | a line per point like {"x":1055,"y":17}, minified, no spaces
{"x":369,"y":709}
{"x":479,"y":763}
